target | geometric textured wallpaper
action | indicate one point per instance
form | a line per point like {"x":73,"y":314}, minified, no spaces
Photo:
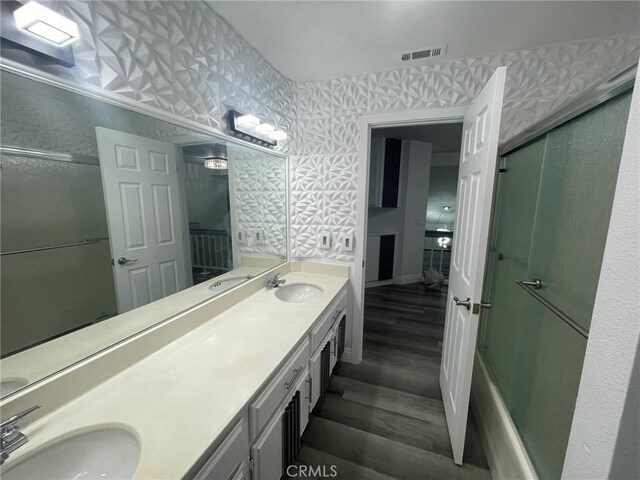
{"x":178,"y":56}
{"x":181,"y":57}
{"x":323,"y":169}
{"x":258,"y":185}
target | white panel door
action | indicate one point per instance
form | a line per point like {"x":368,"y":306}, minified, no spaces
{"x":141,"y":190}
{"x":475,"y":191}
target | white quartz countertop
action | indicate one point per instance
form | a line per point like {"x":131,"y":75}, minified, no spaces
{"x":179,"y":400}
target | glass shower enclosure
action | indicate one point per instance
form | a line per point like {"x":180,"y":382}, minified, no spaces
{"x":551,"y":216}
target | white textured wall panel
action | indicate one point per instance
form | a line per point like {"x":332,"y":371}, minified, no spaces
{"x":323,"y":171}
{"x":178,"y":56}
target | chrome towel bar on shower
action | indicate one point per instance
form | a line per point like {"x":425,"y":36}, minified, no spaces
{"x":532,"y":289}
{"x":87,"y":241}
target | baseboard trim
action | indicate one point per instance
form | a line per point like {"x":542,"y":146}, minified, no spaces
{"x":408,"y":279}
{"x":378,"y":283}
{"x":505,"y":451}
{"x":347,"y":356}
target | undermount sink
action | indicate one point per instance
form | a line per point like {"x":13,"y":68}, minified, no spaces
{"x":298,"y":292}
{"x":109,"y":453}
{"x":10,"y":385}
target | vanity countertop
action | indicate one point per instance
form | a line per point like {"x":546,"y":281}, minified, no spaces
{"x":180,"y":399}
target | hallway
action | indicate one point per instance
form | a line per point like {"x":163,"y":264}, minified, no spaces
{"x":384,"y":418}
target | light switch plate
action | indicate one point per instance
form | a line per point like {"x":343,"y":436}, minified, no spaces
{"x":241,"y":237}
{"x":347,"y":243}
{"x":324,"y":240}
{"x":258,"y":236}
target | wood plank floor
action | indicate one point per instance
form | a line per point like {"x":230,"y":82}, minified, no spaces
{"x":384,"y":418}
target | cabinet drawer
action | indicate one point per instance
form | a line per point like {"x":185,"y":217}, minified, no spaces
{"x":228,"y":456}
{"x":321,"y":329}
{"x":283,"y":383}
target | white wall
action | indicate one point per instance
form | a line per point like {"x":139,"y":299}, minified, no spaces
{"x":538,"y":81}
{"x":601,"y":442}
{"x":415,"y":207}
{"x":177,"y":56}
{"x":407,"y":221}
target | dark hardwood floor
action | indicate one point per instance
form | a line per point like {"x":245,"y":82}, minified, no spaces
{"x":384,"y":418}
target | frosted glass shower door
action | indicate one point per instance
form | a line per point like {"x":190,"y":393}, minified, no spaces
{"x":574,"y":204}
{"x":551,"y":219}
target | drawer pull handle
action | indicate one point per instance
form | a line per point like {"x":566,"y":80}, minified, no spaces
{"x":310,"y":382}
{"x":296,"y":372}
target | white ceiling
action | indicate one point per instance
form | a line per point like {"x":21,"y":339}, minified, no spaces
{"x":310,"y":40}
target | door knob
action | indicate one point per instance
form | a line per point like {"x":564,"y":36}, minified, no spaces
{"x":463,"y":303}
{"x":124,"y":261}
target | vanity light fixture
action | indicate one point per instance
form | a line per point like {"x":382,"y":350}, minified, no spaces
{"x":216,"y":163}
{"x":46,"y":24}
{"x":248,"y":121}
{"x":250,"y":126}
{"x":265,"y":129}
{"x":278,"y":135}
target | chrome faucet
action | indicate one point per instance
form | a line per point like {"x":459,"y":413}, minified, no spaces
{"x":10,"y":437}
{"x":273,"y":282}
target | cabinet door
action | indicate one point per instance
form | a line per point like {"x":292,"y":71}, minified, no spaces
{"x":334,"y":347}
{"x":231,"y":453}
{"x":267,"y":453}
{"x":315,"y":372}
{"x":305,"y":397}
{"x":242,"y":472}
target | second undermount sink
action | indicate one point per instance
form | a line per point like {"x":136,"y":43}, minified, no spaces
{"x":298,"y":292}
{"x":109,"y":453}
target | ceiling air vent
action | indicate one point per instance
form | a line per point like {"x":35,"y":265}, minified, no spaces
{"x":427,"y":53}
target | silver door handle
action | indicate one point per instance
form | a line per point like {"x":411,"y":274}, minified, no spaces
{"x":124,"y":261}
{"x":536,"y":283}
{"x":463,"y":303}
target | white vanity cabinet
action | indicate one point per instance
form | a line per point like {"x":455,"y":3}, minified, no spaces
{"x":229,"y":461}
{"x":327,"y":342}
{"x":267,"y":438}
{"x":279,"y":442}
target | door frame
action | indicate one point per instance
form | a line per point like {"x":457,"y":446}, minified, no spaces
{"x":367,"y":122}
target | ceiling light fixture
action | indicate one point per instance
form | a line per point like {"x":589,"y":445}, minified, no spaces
{"x":446,"y":207}
{"x":216,"y":163}
{"x":46,"y":24}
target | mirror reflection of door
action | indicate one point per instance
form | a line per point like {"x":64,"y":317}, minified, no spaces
{"x":141,"y":189}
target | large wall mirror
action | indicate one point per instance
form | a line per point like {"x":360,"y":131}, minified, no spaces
{"x":112,"y":221}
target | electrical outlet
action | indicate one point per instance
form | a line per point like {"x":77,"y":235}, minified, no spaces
{"x":324,"y":241}
{"x":347,"y":243}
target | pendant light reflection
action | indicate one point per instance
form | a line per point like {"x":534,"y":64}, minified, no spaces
{"x":216,"y":163}
{"x":444,"y":242}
